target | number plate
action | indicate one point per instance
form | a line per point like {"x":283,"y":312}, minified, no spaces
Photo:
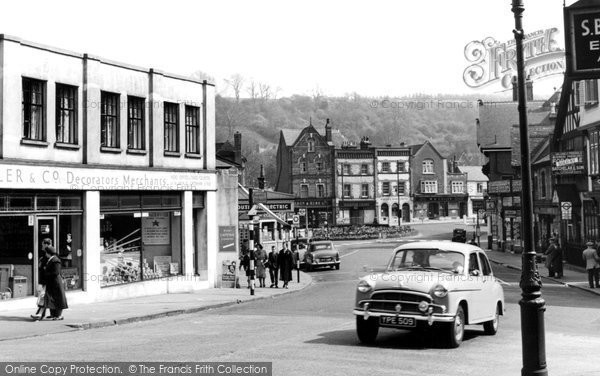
{"x":397,"y":322}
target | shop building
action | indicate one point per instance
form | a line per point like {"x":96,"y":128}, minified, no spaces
{"x":438,"y":189}
{"x":115,"y":164}
{"x":355,"y":184}
{"x":476,"y":189}
{"x":392,"y":165}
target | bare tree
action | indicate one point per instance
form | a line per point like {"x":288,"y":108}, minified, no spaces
{"x":252,"y":90}
{"x":236,"y":82}
{"x":264,"y":90}
{"x":317,"y":93}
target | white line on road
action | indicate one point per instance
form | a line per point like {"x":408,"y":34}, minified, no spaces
{"x":351,"y":253}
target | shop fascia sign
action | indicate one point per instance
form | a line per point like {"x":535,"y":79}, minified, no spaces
{"x":102,"y":179}
{"x":494,"y":62}
{"x":567,"y":163}
{"x":276,"y":207}
{"x":582,"y":40}
{"x":505,"y":186}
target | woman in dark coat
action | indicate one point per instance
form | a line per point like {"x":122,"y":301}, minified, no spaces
{"x":56,"y":300}
{"x":286,"y":263}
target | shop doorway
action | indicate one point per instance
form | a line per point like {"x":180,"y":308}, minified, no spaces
{"x":45,"y":228}
{"x":405,"y":213}
{"x":433,"y":210}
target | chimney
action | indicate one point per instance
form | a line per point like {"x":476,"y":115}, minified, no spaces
{"x":364,"y":143}
{"x":328,"y":132}
{"x":237,"y":146}
{"x":261,"y":178}
{"x":529,"y":89}
{"x":454,"y":165}
{"x":515,"y":87}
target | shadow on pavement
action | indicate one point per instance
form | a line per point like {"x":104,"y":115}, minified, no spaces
{"x":15,"y":318}
{"x":390,"y":339}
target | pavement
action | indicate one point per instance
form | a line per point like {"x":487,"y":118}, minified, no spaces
{"x":573,"y":276}
{"x":16,"y":324}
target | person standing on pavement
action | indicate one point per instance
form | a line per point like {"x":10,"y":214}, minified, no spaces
{"x":261,"y":259}
{"x":286,"y":264}
{"x":41,"y":290}
{"x":553,"y":258}
{"x":590,"y":256}
{"x":273,"y":267}
{"x":56,"y":299}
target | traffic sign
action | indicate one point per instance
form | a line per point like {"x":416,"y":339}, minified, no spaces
{"x":566,"y":209}
{"x":481,"y":212}
{"x":296,"y":220}
{"x":301,"y":211}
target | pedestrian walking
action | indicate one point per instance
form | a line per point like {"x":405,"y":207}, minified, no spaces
{"x":41,"y":288}
{"x":554,"y":259}
{"x":592,"y":264}
{"x":56,"y":301}
{"x":286,"y":264}
{"x":273,"y":267}
{"x":261,"y":271}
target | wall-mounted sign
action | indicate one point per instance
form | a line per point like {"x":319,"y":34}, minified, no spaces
{"x":227,"y":239}
{"x":582,"y":25}
{"x":566,"y":209}
{"x":568,"y":163}
{"x":512,"y":213}
{"x":156,"y":228}
{"x":280,"y":207}
{"x":499,"y":186}
{"x":74,"y":178}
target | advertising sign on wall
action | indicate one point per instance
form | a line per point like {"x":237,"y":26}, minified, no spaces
{"x":568,"y":163}
{"x":156,"y":228}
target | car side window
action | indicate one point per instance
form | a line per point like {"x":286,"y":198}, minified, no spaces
{"x":486,"y":269}
{"x":473,"y":262}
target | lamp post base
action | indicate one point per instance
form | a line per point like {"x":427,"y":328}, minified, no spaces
{"x":533,"y":335}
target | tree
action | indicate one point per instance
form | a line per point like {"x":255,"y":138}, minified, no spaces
{"x":252,"y":90}
{"x":236,"y":82}
{"x":264,"y":90}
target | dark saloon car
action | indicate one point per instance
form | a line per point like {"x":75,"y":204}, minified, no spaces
{"x":321,"y":254}
{"x":459,"y":235}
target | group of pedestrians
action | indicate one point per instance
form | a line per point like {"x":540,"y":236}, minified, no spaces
{"x":51,"y":289}
{"x":279,"y":264}
{"x":591,"y":257}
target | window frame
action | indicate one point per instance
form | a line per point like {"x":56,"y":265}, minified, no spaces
{"x":346,"y":169}
{"x":170,"y":125}
{"x":429,"y":183}
{"x":136,"y":115}
{"x":192,"y":130}
{"x":403,"y":191}
{"x":106,"y":115}
{"x":428,"y":166}
{"x":27,"y":113}
{"x":321,"y":190}
{"x":385,"y":188}
{"x":71,"y":109}
{"x":311,"y":146}
{"x":364,"y":169}
{"x":348,"y":192}
{"x":364,"y":190}
{"x":401,"y":164}
{"x":304,"y":192}
{"x":385,"y":167}
{"x":457,"y":186}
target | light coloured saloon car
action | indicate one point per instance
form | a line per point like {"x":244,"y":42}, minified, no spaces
{"x":439,"y":286}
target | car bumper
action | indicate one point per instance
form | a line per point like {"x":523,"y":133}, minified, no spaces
{"x":325,"y":263}
{"x":429,"y":318}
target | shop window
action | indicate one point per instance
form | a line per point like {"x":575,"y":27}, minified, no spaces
{"x":69,"y":246}
{"x":130,"y":201}
{"x":109,"y":201}
{"x":70,"y":202}
{"x":151,"y":200}
{"x":172,"y":200}
{"x":34,"y":127}
{"x":66,"y":114}
{"x":16,"y":253}
{"x":384,"y":210}
{"x":46,"y":203}
{"x":137,"y":248}
{"x":20,"y":203}
{"x":109,"y":120}
{"x":395,"y":210}
{"x":198,"y":200}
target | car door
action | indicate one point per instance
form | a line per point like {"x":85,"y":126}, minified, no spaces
{"x":477,"y":301}
{"x":489,"y":298}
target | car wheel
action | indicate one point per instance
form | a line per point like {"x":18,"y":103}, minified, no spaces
{"x":491,"y":327}
{"x":367,"y":329}
{"x":337,"y":266}
{"x":309,"y":268}
{"x":456,"y":330}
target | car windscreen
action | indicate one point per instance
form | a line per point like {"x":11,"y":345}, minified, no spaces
{"x":320,"y":247}
{"x":450,"y":261}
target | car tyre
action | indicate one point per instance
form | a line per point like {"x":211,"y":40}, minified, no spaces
{"x":337,"y":266}
{"x":491,"y":327}
{"x":309,"y":267}
{"x":367,"y":330}
{"x":456,"y":329}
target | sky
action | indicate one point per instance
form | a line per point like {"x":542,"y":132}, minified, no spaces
{"x":373,"y":48}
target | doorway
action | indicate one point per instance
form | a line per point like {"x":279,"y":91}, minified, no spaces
{"x":45,"y":228}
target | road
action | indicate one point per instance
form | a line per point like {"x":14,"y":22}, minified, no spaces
{"x":312,"y":332}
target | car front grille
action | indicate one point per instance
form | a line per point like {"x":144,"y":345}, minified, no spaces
{"x":409,"y":302}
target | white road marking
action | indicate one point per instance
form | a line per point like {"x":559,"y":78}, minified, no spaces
{"x":348,"y":254}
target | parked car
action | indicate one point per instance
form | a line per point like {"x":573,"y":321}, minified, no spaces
{"x":459,"y":235}
{"x":299,"y":246}
{"x":436,"y":285}
{"x":321,"y":254}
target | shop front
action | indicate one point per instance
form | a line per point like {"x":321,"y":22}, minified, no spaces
{"x":439,"y":206}
{"x":314,"y":212}
{"x":118,"y":233}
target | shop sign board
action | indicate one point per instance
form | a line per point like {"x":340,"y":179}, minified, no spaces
{"x":582,"y":25}
{"x":499,"y":186}
{"x":156,"y":229}
{"x":279,"y":207}
{"x":566,"y":209}
{"x":568,"y":163}
{"x":227,"y":238}
{"x":512,"y":213}
{"x":14,"y":176}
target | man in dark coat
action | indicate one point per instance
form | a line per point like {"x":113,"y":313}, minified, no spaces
{"x":56,"y":299}
{"x":41,"y":312}
{"x":286,"y":263}
{"x":554,"y":259}
{"x":273,"y":267}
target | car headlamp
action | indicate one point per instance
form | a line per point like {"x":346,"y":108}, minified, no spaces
{"x":364,"y":286}
{"x":440,"y":291}
{"x":423,"y":306}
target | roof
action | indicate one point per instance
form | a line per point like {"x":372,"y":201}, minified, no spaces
{"x":337,"y":138}
{"x":446,"y":245}
{"x":497,"y":118}
{"x":537,"y":134}
{"x":415,"y":148}
{"x":474,"y":173}
{"x":290,"y":135}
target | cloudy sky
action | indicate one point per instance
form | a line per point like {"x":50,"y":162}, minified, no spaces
{"x":370,"y":47}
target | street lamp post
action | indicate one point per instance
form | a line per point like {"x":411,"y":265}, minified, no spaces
{"x":532,"y":305}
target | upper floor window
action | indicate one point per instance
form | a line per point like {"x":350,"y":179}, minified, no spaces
{"x":303,"y":166}
{"x":66,"y":114}
{"x":135,"y":123}
{"x":320,"y":190}
{"x":311,"y":146}
{"x":401,"y":166}
{"x":458,"y":187}
{"x":543,"y":184}
{"x":109,"y":120}
{"x":303,"y":190}
{"x":479,"y":187}
{"x":385,"y":188}
{"x":346,"y":169}
{"x":385,"y":167}
{"x":171,"y":123}
{"x":591,"y":92}
{"x":594,"y":143}
{"x":364,"y":190}
{"x":192,"y":129}
{"x":34,"y":127}
{"x":364,"y":169}
{"x":429,"y":186}
{"x":401,"y":188}
{"x":319,"y":166}
{"x":347,"y":190}
{"x":428,"y":166}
